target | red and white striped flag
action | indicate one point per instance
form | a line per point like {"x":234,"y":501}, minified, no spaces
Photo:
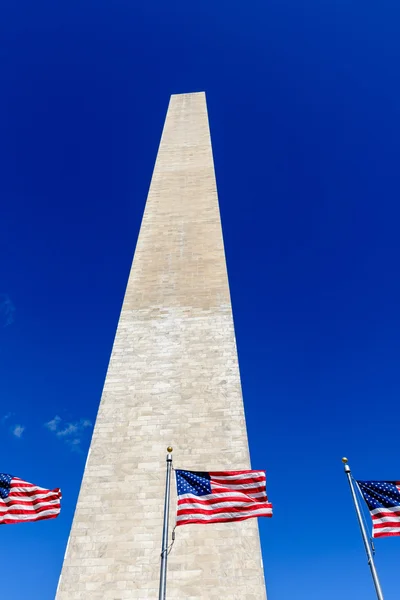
{"x":21,"y":501}
{"x":221,"y":496}
{"x":383,"y":500}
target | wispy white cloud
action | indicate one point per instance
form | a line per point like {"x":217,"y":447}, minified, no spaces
{"x":70,"y":432}
{"x":17,"y":430}
{"x":69,"y":429}
{"x":54,"y":423}
{"x":74,"y":444}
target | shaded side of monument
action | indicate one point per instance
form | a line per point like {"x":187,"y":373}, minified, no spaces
{"x":173,"y":379}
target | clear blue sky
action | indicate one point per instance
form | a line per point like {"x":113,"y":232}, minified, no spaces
{"x":304,"y":109}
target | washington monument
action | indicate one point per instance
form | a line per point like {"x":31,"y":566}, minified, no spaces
{"x":173,"y":379}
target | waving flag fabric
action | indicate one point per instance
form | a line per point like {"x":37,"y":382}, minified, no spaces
{"x":383,"y":500}
{"x":21,"y":501}
{"x":221,"y":496}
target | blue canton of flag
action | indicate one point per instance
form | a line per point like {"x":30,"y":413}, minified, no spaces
{"x":193,"y":482}
{"x":383,"y":500}
{"x":219,"y":496}
{"x":5,"y":481}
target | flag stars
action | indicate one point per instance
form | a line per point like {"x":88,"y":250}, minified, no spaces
{"x":5,"y":484}
{"x":194,"y":483}
{"x":380,"y":494}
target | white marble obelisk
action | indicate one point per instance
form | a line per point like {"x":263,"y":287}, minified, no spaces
{"x":173,"y":379}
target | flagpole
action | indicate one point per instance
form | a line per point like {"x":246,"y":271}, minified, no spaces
{"x":164,"y":546}
{"x":363,"y":532}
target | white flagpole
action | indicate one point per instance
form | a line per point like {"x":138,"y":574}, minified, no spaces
{"x":164,"y":546}
{"x":363,"y":532}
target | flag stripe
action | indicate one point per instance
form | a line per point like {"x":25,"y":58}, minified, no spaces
{"x":215,"y":510}
{"x":226,"y":474}
{"x":395,"y":511}
{"x":22,"y":510}
{"x":10,"y":505}
{"x":385,"y":521}
{"x":17,"y":481}
{"x":248,"y":487}
{"x":213,"y":501}
{"x":238,"y":480}
{"x":28,"y":492}
{"x":194,"y":506}
{"x":50,"y":514}
{"x":222,"y":517}
{"x":21,"y":500}
{"x":223,"y":495}
{"x":387,"y":533}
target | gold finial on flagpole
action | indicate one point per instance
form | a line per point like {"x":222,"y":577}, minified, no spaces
{"x":345,"y":460}
{"x":169,"y":449}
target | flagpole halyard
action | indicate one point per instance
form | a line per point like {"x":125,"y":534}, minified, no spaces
{"x":363,"y":532}
{"x":164,"y":546}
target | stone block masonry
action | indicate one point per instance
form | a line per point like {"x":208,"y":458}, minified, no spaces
{"x":173,"y":379}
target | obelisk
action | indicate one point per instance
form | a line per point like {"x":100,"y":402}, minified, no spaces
{"x":173,"y":379}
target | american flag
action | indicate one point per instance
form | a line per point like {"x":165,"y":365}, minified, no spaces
{"x":21,"y":501}
{"x":221,"y":496}
{"x":383,"y":500}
